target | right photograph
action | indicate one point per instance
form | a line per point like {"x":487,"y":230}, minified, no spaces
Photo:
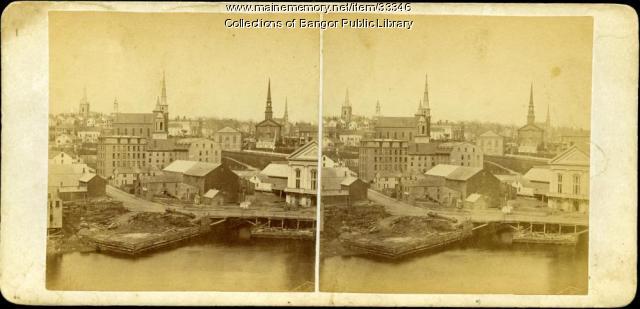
{"x":456,"y":155}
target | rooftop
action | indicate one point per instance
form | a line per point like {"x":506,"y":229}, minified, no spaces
{"x":453,"y":172}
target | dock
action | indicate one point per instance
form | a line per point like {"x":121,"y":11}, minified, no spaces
{"x":137,"y":243}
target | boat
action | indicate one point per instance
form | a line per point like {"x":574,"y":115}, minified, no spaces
{"x":527,"y":236}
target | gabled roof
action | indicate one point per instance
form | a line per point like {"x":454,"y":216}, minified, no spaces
{"x":396,"y":122}
{"x":227,"y":130}
{"x":280,"y":170}
{"x":179,"y":166}
{"x":191,"y":168}
{"x":453,"y":172}
{"x":530,"y":127}
{"x":133,"y":118}
{"x":201,"y":169}
{"x":539,"y":174}
{"x":308,"y":152}
{"x":489,"y":134}
{"x":164,"y":145}
{"x":86,"y":177}
{"x":211,"y":193}
{"x":473,"y":197}
{"x":427,"y":148}
{"x":577,"y":154}
{"x":268,"y":123}
{"x":348,"y":181}
{"x":332,"y":177}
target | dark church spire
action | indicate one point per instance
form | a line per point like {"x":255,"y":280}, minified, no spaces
{"x":531,"y":116}
{"x":268,"y":112}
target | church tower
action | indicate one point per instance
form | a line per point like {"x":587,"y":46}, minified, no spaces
{"x":161,"y":114}
{"x":286,"y":126}
{"x":531,"y":115}
{"x":423,"y":116}
{"x":285,"y":117}
{"x":547,"y":127}
{"x":346,"y":109}
{"x":378,"y":113}
{"x":164,"y":106}
{"x":268,"y":112}
{"x":84,"y":105}
{"x":115,"y":105}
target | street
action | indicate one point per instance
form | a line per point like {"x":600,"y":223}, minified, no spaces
{"x":399,"y":208}
{"x":132,"y":202}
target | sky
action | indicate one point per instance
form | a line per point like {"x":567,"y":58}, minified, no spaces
{"x":211,"y":71}
{"x":479,"y":68}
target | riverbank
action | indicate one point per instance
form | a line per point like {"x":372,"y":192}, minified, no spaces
{"x":108,"y":219}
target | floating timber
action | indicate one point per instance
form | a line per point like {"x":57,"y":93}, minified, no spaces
{"x":137,"y":243}
{"x":265,"y":232}
{"x":399,"y":246}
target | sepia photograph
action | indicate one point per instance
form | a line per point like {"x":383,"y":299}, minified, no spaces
{"x":182,"y":154}
{"x":318,"y":154}
{"x":462,"y":156}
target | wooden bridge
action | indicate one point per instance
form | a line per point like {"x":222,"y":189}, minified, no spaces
{"x":266,"y":223}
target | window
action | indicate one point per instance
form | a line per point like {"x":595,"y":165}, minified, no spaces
{"x":297,"y":178}
{"x":559,"y":183}
{"x":313,"y":179}
{"x":576,"y":184}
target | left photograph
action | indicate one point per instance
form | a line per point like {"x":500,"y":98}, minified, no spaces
{"x":182,"y":152}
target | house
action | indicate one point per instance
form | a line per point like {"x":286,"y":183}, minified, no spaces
{"x":63,"y":158}
{"x":302,"y":182}
{"x":205,"y":176}
{"x":213,"y":197}
{"x":229,"y":139}
{"x":273,"y":178}
{"x":160,"y":184}
{"x":384,"y":181}
{"x":338,"y":183}
{"x":356,"y":187}
{"x":89,"y":135}
{"x":96,"y":185}
{"x":456,"y":183}
{"x":490,"y":143}
{"x":416,"y":188}
{"x":538,"y":178}
{"x":569,"y":183}
{"x":54,"y":213}
{"x":63,"y":140}
{"x":476,"y":201}
{"x":72,"y":182}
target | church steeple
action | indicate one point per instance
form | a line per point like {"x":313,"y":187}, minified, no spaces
{"x":164,"y":89}
{"x":346,"y":98}
{"x":268,"y":112}
{"x":285,"y":117}
{"x":531,"y":116}
{"x":378,"y":108}
{"x":425,"y":98}
{"x":346,"y":108}
{"x":84,"y":104}
{"x":115,"y":105}
{"x":547,"y":126}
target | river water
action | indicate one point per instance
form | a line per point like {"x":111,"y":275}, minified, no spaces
{"x":204,"y":264}
{"x":476,"y":266}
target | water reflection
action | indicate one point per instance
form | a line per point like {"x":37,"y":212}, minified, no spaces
{"x":475,"y":266}
{"x":204,"y":264}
